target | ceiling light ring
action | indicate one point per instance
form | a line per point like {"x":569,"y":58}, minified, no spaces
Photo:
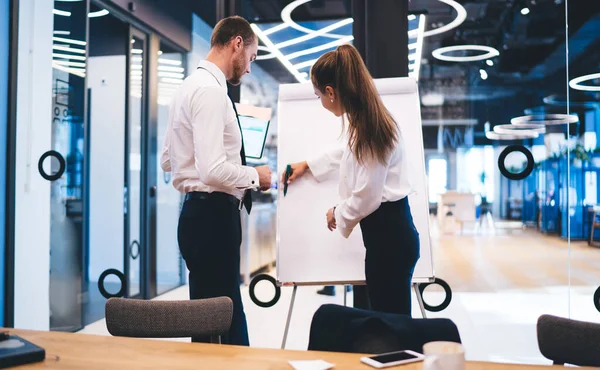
{"x":520,"y":135}
{"x":286,"y":17}
{"x":510,"y":129}
{"x":545,"y":119}
{"x":576,"y":83}
{"x":490,"y":52}
{"x":461,"y":16}
{"x":556,"y":101}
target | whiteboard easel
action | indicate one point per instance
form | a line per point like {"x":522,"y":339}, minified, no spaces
{"x":307,"y":252}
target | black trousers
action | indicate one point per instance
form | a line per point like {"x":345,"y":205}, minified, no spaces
{"x":392,"y":244}
{"x":210,"y":235}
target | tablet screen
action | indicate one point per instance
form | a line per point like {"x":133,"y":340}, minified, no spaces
{"x":254,"y":131}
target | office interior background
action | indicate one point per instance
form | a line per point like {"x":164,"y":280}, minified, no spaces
{"x":84,"y":94}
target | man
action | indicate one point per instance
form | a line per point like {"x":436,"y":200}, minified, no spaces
{"x":204,"y":151}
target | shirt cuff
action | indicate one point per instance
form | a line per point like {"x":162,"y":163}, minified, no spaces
{"x":318,"y":167}
{"x":254,"y":179}
{"x":340,"y":224}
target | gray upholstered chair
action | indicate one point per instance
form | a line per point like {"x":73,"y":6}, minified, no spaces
{"x":566,"y":341}
{"x":207,"y":319}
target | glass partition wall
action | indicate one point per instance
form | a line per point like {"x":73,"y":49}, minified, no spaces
{"x":103,"y":213}
{"x":580,"y":97}
{"x":501,"y":160}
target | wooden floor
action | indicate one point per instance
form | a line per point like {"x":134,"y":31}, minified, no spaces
{"x":507,"y":259}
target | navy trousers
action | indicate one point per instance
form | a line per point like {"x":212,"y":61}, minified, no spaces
{"x":210,"y":235}
{"x":392,"y":251}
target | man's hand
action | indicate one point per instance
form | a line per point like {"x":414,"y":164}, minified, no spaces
{"x":264,"y":177}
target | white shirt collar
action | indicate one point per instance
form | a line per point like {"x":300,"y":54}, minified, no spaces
{"x":215,"y":71}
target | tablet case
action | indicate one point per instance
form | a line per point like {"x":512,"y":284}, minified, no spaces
{"x":16,"y":351}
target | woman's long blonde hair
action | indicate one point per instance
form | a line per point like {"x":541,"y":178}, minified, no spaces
{"x":372,"y":131}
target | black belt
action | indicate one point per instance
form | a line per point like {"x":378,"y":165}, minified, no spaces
{"x":200,"y":195}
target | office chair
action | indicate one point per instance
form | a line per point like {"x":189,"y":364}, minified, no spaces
{"x":566,"y":341}
{"x":199,"y":318}
{"x":346,"y":329}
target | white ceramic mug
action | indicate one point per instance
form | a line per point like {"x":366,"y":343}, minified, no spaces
{"x":443,"y":356}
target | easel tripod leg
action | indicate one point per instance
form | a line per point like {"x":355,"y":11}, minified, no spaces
{"x":289,"y":317}
{"x":419,"y":299}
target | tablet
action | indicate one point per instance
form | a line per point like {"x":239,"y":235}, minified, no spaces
{"x":254,"y":132}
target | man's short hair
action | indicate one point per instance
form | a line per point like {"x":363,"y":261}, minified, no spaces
{"x":229,"y":28}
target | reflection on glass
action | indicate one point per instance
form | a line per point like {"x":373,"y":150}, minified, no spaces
{"x":581,"y":97}
{"x":502,"y":63}
{"x":106,"y":83}
{"x":134,"y":206}
{"x":168,"y":262}
{"x":66,"y":194}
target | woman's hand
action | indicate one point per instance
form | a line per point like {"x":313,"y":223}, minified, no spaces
{"x":298,"y":169}
{"x":331,"y":224}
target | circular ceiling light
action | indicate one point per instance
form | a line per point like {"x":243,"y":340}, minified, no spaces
{"x":490,"y":52}
{"x":511,"y":129}
{"x":99,"y":13}
{"x":561,"y":101}
{"x":286,"y":17}
{"x":545,"y":119}
{"x":461,"y":15}
{"x":516,"y":136}
{"x":576,"y":82}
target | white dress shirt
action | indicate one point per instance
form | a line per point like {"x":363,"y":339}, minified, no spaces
{"x":363,"y":187}
{"x":203,"y":140}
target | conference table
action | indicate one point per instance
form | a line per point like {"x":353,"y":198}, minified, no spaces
{"x":85,"y":351}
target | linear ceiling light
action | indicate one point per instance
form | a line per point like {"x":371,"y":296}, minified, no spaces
{"x":100,"y":13}
{"x":67,"y":56}
{"x":490,"y":52}
{"x":315,"y":49}
{"x":286,"y":17}
{"x":66,"y":48}
{"x":66,"y":33}
{"x":69,"y":64}
{"x":308,"y":63}
{"x":169,"y":61}
{"x":69,"y":41}
{"x":274,"y":29}
{"x":171,"y":69}
{"x":286,"y":63}
{"x":576,"y":82}
{"x":171,"y":80}
{"x":264,"y":56}
{"x":417,"y":55}
{"x":461,"y":16}
{"x":75,"y":71}
{"x":317,"y":33}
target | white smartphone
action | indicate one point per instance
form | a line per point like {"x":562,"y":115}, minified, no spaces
{"x":392,"y":359}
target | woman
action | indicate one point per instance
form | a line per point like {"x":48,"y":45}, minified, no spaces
{"x":374,"y":182}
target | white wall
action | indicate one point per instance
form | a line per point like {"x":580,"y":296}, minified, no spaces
{"x":106,"y":79}
{"x":32,"y":213}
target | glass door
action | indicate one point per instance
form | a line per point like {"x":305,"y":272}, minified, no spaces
{"x":63,"y":165}
{"x":169,"y":264}
{"x":135,"y":244}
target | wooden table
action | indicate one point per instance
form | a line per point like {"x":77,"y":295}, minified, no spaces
{"x":84,"y":351}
